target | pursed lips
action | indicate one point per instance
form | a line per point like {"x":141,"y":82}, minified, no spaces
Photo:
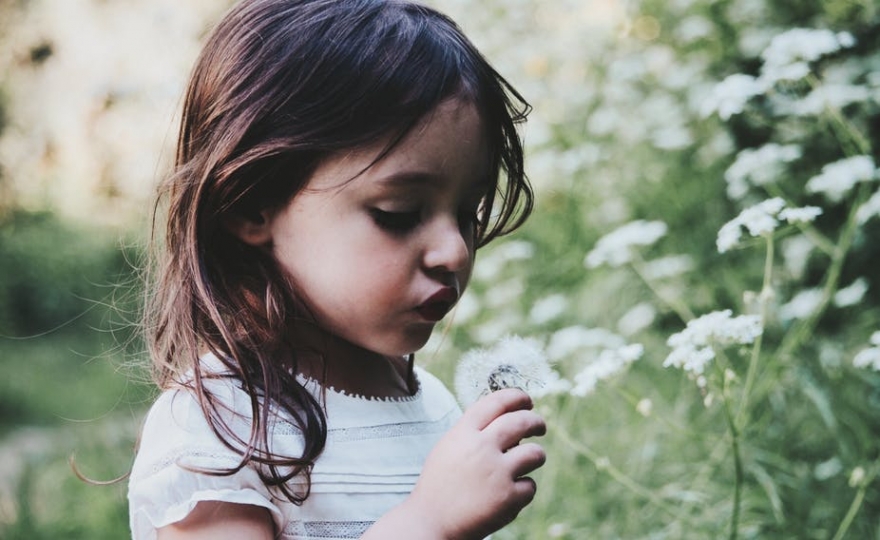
{"x":438,"y":304}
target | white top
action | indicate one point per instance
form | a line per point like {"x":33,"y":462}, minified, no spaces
{"x":374,"y":454}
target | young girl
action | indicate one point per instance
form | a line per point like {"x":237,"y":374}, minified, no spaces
{"x":339,"y":162}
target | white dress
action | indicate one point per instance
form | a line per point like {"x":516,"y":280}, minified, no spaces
{"x":374,"y":454}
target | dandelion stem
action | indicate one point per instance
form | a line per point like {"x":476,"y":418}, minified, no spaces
{"x":766,"y":289}
{"x":680,"y":308}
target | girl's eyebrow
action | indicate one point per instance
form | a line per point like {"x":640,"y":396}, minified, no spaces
{"x":414,"y":178}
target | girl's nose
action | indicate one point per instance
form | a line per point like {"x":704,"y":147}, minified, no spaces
{"x":447,"y":248}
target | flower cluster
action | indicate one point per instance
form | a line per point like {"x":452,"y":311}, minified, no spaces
{"x":693,"y":347}
{"x":786,"y":58}
{"x":609,"y":362}
{"x":870,"y":357}
{"x":838,"y":178}
{"x":615,"y":248}
{"x":758,"y":167}
{"x":761,"y":220}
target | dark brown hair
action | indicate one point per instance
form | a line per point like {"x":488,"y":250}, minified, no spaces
{"x":280,"y":85}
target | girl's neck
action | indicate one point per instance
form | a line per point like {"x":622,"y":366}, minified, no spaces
{"x":346,"y":367}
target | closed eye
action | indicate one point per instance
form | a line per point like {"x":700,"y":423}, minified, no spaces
{"x":396,"y":222}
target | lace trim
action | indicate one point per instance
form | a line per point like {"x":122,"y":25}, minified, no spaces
{"x":317,"y":386}
{"x":176,"y":457}
{"x":382,"y":431}
{"x":327,"y":529}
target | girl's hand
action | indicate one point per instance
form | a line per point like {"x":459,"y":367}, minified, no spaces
{"x":474,"y":481}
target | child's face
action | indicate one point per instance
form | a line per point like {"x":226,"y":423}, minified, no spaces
{"x":380,"y":259}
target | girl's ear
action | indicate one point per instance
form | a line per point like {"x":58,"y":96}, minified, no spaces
{"x":251,"y":228}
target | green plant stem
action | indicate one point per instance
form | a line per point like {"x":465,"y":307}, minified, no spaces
{"x":680,"y":308}
{"x":766,"y":291}
{"x":737,"y":467}
{"x":855,"y":506}
{"x":618,"y":475}
{"x":795,"y":337}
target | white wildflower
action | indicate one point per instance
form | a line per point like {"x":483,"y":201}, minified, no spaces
{"x":571,"y":339}
{"x":796,"y":253}
{"x":851,"y":294}
{"x":637,"y":318}
{"x":557,"y":530}
{"x":693,"y":347}
{"x":669,"y":266}
{"x":829,"y":96}
{"x":644,"y":407}
{"x":615,"y":248}
{"x":513,"y":362}
{"x":758,"y":220}
{"x":802,"y":305}
{"x":840,"y":177}
{"x":495,"y":260}
{"x":804,"y":214}
{"x":828,"y":469}
{"x":799,"y":46}
{"x":870,"y":209}
{"x":869,"y":357}
{"x":729,"y":97}
{"x":548,"y":308}
{"x":609,"y":362}
{"x":857,"y":477}
{"x":758,"y":167}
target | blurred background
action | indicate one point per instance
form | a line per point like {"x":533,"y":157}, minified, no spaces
{"x":629,"y":123}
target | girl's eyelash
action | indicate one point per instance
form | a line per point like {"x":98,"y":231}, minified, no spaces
{"x":398,"y":222}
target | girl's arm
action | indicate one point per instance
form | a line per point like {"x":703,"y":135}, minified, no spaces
{"x":473,"y":482}
{"x":222,"y":521}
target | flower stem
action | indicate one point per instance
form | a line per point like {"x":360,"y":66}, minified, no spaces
{"x":795,"y":337}
{"x":603,"y":464}
{"x":855,"y":506}
{"x":763,"y":297}
{"x":737,"y":467}
{"x":680,"y":308}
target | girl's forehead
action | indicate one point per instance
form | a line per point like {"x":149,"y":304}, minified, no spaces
{"x":448,"y":141}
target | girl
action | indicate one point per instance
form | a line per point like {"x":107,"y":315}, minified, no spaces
{"x":339,"y":162}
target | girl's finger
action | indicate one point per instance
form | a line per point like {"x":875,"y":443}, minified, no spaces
{"x":510,"y":428}
{"x":488,"y":408}
{"x":525,"y":458}
{"x":524,"y":490}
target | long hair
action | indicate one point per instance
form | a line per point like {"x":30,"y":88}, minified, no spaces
{"x":280,"y":85}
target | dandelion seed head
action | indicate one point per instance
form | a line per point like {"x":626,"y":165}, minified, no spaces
{"x":513,"y":362}
{"x":857,"y":477}
{"x":615,"y":248}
